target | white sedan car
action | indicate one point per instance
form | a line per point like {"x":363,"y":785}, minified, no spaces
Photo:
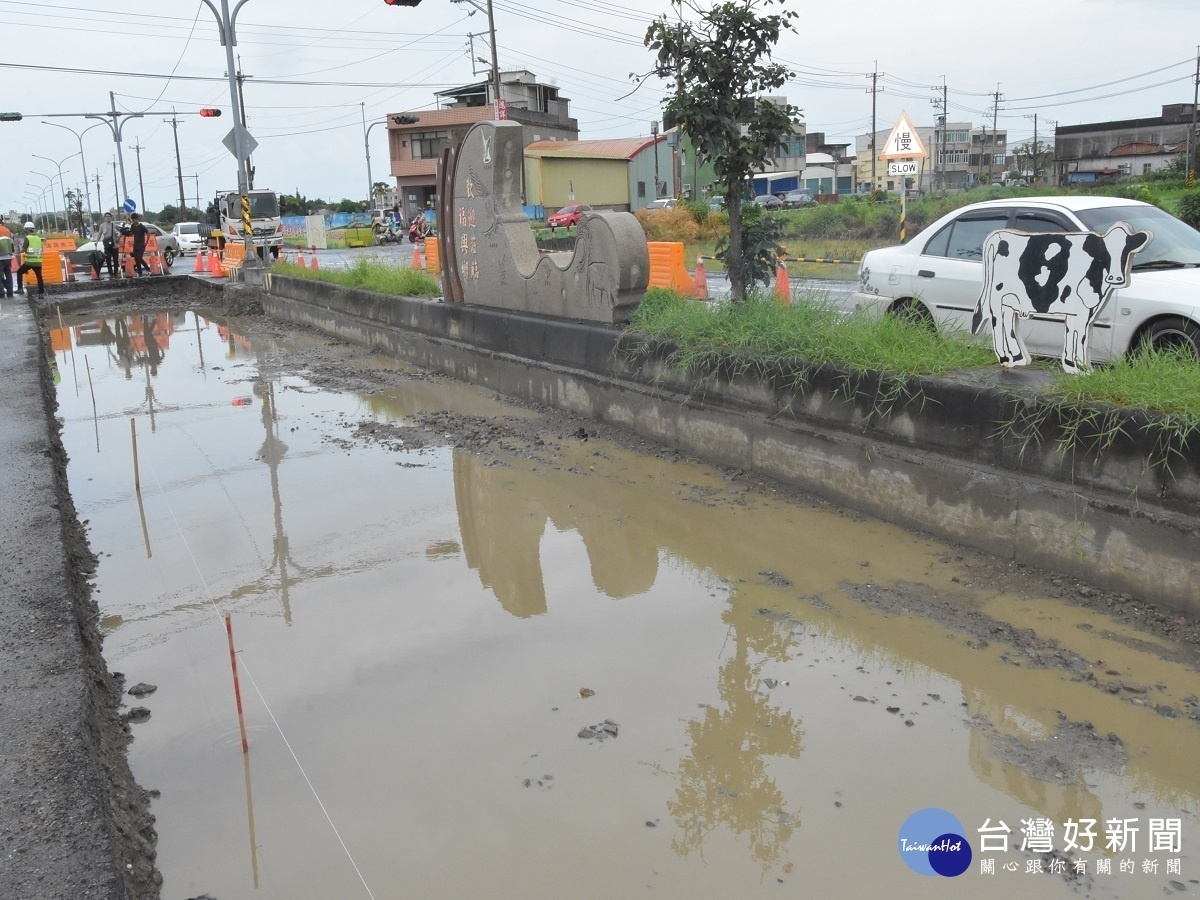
{"x":938,"y":275}
{"x":192,"y":236}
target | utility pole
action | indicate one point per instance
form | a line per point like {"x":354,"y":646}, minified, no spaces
{"x":1035,"y":150}
{"x":242,"y":97}
{"x":874,"y":76}
{"x":137,"y":148}
{"x":197,"y":180}
{"x":945,"y":125}
{"x":495,"y":62}
{"x":995,"y":113}
{"x":116,"y":191}
{"x":1191,"y":144}
{"x":99,"y":202}
{"x":174,"y":123}
{"x":939,"y":142}
{"x":982,"y":148}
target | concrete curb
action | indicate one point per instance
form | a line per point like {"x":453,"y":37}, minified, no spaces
{"x":937,"y":462}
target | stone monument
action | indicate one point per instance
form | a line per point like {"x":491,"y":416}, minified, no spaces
{"x":488,"y":253}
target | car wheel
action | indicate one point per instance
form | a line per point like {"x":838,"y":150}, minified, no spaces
{"x":915,"y":312}
{"x":1172,"y":334}
{"x":168,"y":257}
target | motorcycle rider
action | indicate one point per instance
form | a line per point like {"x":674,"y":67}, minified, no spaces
{"x":419,"y":228}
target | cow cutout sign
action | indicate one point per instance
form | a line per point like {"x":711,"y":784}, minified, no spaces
{"x":1071,"y":273}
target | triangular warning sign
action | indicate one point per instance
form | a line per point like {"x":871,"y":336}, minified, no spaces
{"x":903,"y":142}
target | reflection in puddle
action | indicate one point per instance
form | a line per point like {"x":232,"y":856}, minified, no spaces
{"x":420,"y":622}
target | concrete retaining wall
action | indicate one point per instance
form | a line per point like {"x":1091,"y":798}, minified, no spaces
{"x":936,"y":459}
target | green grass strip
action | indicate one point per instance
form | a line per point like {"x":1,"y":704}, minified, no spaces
{"x":760,"y":333}
{"x":370,"y":274}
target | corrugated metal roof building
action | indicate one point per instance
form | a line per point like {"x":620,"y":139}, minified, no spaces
{"x":608,"y":174}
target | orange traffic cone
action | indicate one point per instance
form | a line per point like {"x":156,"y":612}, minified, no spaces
{"x":783,"y":288}
{"x":313,"y":265}
{"x":300,"y":260}
{"x":700,"y":280}
{"x":214,"y":265}
{"x":416,"y":260}
{"x":200,"y":260}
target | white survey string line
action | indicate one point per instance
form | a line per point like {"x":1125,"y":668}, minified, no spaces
{"x":257,"y":690}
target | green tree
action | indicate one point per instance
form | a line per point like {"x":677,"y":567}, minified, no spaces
{"x":1034,"y":159}
{"x":75,"y":214}
{"x":720,"y":65}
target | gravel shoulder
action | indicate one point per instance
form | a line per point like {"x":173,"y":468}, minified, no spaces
{"x":73,"y":824}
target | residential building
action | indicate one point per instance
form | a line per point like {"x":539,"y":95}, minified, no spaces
{"x":415,"y":149}
{"x":1129,"y":147}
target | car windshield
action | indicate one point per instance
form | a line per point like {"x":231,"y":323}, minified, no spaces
{"x":188,"y":228}
{"x":264,"y":206}
{"x":1173,"y":240}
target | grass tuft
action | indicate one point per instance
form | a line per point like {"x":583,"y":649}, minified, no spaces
{"x":1163,"y":380}
{"x":371,"y":275}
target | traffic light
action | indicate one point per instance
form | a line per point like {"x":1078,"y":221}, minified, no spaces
{"x":405,"y":119}
{"x":402,"y":2}
{"x":207,"y":113}
{"x":10,"y":117}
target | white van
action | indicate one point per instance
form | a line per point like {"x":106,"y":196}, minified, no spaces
{"x":192,"y":236}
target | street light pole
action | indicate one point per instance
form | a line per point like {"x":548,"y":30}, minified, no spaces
{"x":83,"y":161}
{"x":227,"y":24}
{"x":48,"y":188}
{"x":367,"y":149}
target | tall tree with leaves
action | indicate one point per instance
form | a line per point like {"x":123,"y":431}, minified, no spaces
{"x":720,"y":64}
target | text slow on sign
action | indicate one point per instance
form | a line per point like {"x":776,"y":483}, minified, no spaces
{"x":902,"y":167}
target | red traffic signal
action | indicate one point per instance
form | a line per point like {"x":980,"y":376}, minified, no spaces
{"x":209,"y":113}
{"x":405,"y":119}
{"x":402,"y":2}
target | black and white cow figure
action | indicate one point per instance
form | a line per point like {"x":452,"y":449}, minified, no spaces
{"x":1066,"y":273}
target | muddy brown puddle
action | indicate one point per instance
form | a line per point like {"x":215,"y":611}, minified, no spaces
{"x":542,"y":666}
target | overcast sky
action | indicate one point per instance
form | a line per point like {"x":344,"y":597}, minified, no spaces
{"x":1070,"y":61}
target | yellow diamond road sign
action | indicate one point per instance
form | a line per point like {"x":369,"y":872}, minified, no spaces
{"x":903,"y":142}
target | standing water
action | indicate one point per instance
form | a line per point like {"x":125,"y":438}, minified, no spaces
{"x":481,"y":652}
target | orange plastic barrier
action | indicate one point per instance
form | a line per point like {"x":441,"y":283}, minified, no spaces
{"x":433,"y":255}
{"x":667,"y":269}
{"x":233,"y":257}
{"x":58,"y":244}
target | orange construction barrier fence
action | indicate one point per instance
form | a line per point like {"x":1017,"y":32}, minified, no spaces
{"x":233,"y":256}
{"x":667,"y":269}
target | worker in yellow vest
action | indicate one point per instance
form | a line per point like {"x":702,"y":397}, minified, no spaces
{"x":6,"y":258}
{"x":33,"y":260}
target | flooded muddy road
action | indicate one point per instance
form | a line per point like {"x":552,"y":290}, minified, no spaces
{"x":489,"y":650}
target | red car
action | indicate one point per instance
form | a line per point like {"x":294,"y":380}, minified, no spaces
{"x":568,"y":216}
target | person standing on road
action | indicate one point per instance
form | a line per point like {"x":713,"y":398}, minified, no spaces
{"x":6,"y":257}
{"x":33,"y":260}
{"x":140,"y":234}
{"x":108,"y":240}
